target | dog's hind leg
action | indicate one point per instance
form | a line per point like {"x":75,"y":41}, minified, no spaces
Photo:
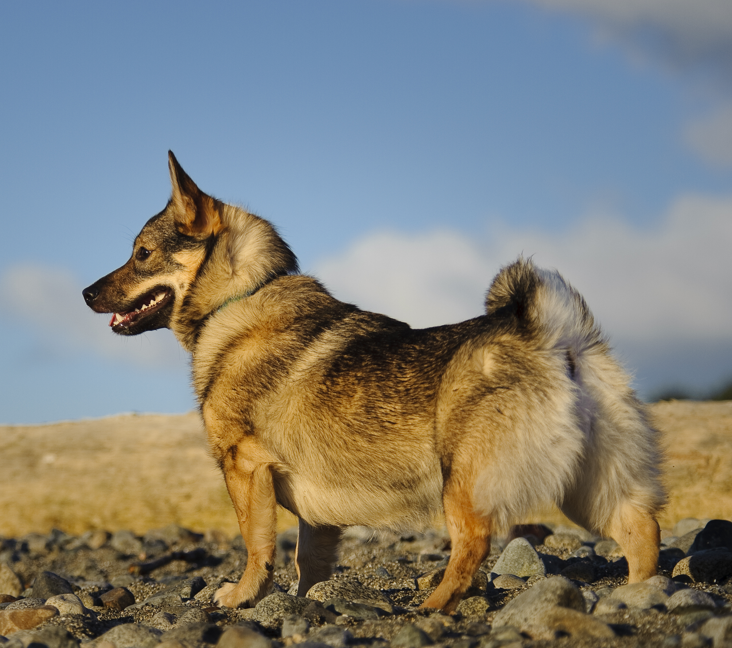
{"x":637,"y":533}
{"x":252,"y":491}
{"x":315,"y":555}
{"x":470,"y":534}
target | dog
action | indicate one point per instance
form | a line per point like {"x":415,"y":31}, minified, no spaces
{"x":346,"y":417}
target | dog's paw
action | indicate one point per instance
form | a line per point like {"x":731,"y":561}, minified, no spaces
{"x":225,"y":596}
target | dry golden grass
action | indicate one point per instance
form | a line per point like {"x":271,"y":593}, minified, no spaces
{"x":123,"y":472}
{"x":145,"y":471}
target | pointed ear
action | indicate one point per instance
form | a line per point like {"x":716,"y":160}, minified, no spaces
{"x":195,"y":212}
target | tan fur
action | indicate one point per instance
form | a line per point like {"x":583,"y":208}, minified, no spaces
{"x":347,"y":417}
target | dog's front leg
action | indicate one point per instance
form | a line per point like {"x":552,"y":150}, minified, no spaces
{"x":316,"y":553}
{"x":252,"y":491}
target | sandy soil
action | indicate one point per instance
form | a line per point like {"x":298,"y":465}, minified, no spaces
{"x":146,"y":471}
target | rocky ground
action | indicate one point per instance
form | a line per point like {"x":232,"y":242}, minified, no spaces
{"x":120,"y":588}
{"x":543,"y":588}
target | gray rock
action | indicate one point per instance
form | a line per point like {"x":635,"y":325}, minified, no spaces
{"x":685,"y":541}
{"x":67,"y":604}
{"x":474,"y":606}
{"x":707,"y":566}
{"x":37,"y":544}
{"x":193,"y":635}
{"x":431,"y":579}
{"x":48,"y":584}
{"x":240,"y":636}
{"x":410,"y":636}
{"x":165,"y":597}
{"x":49,"y":636}
{"x":190,"y":587}
{"x":126,"y":542}
{"x":694,"y":619}
{"x":506,"y":634}
{"x":350,"y":590}
{"x":163,"y":621}
{"x":272,"y":609}
{"x":689,"y":600}
{"x":719,"y":630}
{"x":520,"y":559}
{"x":640,"y":595}
{"x":192,"y":616}
{"x":551,"y":607}
{"x":128,"y":635}
{"x":608,"y":605}
{"x":608,"y":549}
{"x":585,"y":551}
{"x":695,"y":640}
{"x":591,"y":599}
{"x":555,"y":622}
{"x":435,"y":625}
{"x":96,"y":539}
{"x":294,"y":626}
{"x":508,"y":581}
{"x":172,"y":534}
{"x":583,"y":534}
{"x":666,"y":585}
{"x":331,"y":635}
{"x":207,"y":593}
{"x":360,"y":611}
{"x":582,"y":570}
{"x":23,"y":604}
{"x":566,"y":541}
{"x":557,"y":591}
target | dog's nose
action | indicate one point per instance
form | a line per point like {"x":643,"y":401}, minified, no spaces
{"x":90,"y":294}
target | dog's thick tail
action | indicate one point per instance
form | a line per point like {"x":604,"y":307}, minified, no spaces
{"x":543,"y":303}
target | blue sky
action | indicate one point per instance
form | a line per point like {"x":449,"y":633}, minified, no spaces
{"x":406,"y":149}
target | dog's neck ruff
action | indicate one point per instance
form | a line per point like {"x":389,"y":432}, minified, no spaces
{"x":246,"y":294}
{"x":237,"y":298}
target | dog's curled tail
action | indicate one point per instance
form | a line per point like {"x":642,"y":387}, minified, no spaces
{"x":543,"y":303}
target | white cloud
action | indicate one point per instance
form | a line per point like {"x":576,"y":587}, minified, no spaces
{"x":665,"y":284}
{"x":654,"y":290}
{"x":711,"y":136}
{"x":49,"y":300}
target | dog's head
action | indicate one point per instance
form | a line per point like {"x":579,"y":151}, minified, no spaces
{"x":187,"y":261}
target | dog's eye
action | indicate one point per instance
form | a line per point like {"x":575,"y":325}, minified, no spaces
{"x":142,"y":254}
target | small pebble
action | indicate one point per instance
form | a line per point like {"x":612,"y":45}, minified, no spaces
{"x":519,"y":558}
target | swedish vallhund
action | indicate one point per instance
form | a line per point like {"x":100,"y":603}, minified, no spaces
{"x":346,"y":417}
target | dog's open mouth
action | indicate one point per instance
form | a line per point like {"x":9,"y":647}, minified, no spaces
{"x":148,"y":304}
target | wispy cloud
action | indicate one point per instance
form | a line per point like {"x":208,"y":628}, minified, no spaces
{"x":48,"y":300}
{"x":687,"y":35}
{"x":711,"y":136}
